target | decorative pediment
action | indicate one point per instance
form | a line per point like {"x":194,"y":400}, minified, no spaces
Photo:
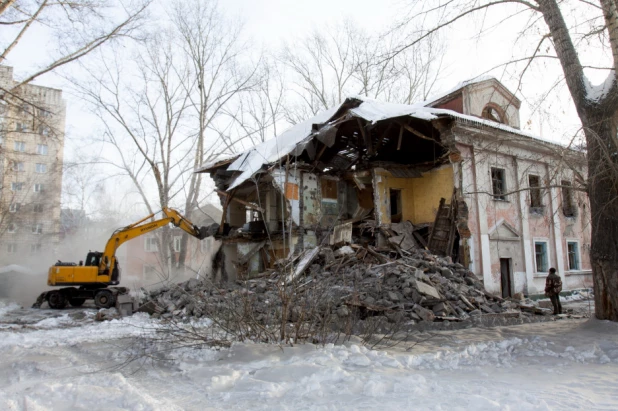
{"x":503,"y":231}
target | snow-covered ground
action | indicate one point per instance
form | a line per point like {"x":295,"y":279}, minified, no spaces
{"x":51,"y":360}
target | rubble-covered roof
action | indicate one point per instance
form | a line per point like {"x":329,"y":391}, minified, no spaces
{"x":294,"y":140}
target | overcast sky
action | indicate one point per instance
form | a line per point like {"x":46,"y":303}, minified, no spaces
{"x":270,"y":23}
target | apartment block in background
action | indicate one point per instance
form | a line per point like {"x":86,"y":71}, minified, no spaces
{"x":32,"y":127}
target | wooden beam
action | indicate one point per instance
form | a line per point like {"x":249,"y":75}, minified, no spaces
{"x":366,"y":137}
{"x":383,"y":136}
{"x":245,"y":203}
{"x":416,"y":132}
{"x":317,"y":158}
{"x":400,"y":138}
{"x":228,"y":198}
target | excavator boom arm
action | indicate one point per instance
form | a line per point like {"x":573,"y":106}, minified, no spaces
{"x":144,"y":227}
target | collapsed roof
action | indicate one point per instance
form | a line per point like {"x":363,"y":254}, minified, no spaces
{"x":337,"y":142}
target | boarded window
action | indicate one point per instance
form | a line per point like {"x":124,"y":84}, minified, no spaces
{"x":291,"y":191}
{"x":536,"y":198}
{"x":573,"y":251}
{"x":329,"y":189}
{"x":568,"y":206}
{"x":498,"y":183}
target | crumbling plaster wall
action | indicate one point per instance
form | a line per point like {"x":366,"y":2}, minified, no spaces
{"x":420,"y":196}
{"x":477,"y":96}
{"x":486,"y":213}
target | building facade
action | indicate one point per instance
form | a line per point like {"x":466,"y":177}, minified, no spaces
{"x":455,"y":175}
{"x":32,"y":120}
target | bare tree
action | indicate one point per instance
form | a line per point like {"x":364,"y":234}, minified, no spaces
{"x":328,"y":65}
{"x":562,"y":39}
{"x":159,"y":110}
{"x":32,"y":118}
{"x":78,"y":27}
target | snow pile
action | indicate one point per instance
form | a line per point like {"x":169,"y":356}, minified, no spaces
{"x":51,"y":332}
{"x":559,"y":365}
{"x":8,"y":306}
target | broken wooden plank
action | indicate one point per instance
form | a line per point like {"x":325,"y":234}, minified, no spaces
{"x":307,"y":258}
{"x":366,"y":137}
{"x":245,"y":203}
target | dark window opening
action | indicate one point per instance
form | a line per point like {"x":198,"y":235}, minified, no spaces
{"x":498,"y":183}
{"x":492,"y":113}
{"x":573,"y":251}
{"x":396,"y":209}
{"x":536,"y":198}
{"x":568,"y":206}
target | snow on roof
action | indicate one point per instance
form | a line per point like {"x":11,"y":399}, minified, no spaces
{"x":251,"y":161}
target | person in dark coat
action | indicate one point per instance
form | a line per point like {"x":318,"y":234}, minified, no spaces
{"x":553,"y":286}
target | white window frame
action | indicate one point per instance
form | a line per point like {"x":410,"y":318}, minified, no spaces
{"x":44,"y":131}
{"x":547,"y":243}
{"x":150,"y":244}
{"x":579,"y":254}
{"x":11,"y":248}
{"x":37,"y":228}
{"x":41,"y":168}
{"x":15,"y":186}
{"x":38,"y":187}
{"x":42,"y":149}
{"x":19,"y":166}
{"x":19,"y":146}
{"x":177,"y":241}
{"x":14,"y":207}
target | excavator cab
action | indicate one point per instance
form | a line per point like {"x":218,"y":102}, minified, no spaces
{"x":93,"y":259}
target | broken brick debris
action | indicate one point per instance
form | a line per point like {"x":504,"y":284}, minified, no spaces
{"x":343,"y":283}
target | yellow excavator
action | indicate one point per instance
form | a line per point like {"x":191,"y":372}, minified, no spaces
{"x":101,"y":269}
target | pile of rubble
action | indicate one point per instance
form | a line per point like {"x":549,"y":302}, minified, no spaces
{"x":351,"y":282}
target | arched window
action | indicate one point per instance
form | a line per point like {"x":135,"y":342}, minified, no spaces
{"x":494,"y":113}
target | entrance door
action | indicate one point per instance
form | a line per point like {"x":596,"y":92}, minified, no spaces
{"x":505,"y":272}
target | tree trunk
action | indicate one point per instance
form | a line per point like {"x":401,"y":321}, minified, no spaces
{"x":599,"y":120}
{"x":601,"y":133}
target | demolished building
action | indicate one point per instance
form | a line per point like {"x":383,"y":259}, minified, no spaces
{"x":454,"y":175}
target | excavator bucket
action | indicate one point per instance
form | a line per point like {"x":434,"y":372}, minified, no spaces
{"x":208,"y":231}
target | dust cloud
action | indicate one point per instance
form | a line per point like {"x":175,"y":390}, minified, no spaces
{"x":23,"y":277}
